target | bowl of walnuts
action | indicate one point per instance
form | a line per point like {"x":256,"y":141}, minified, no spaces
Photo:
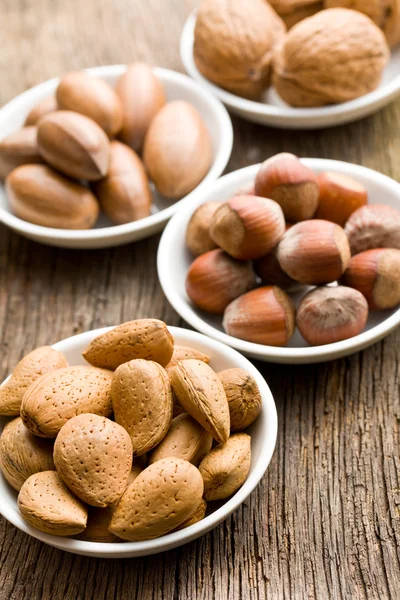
{"x":301,"y":64}
{"x":291,"y":261}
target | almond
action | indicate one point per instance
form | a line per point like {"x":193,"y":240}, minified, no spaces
{"x":92,"y":97}
{"x":17,"y":149}
{"x":243,"y":396}
{"x":46,"y":503}
{"x":142,"y":402}
{"x":31,"y":367}
{"x":41,"y":109}
{"x":74,"y":145}
{"x":93,"y":456}
{"x":98,"y":522}
{"x":183,"y":353}
{"x":23,"y":454}
{"x":201,"y":393}
{"x":40,"y":195}
{"x":141,"y":95}
{"x":56,"y":397}
{"x":144,"y":338}
{"x":124,"y":194}
{"x":186,"y":439}
{"x":160,"y":499}
{"x":177,"y":150}
{"x":226,"y":467}
{"x":197,"y":516}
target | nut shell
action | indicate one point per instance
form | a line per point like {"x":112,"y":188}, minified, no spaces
{"x":93,"y":456}
{"x":38,"y":362}
{"x":124,"y":193}
{"x":56,"y":397}
{"x":376,"y":274}
{"x":142,"y":96}
{"x":335,"y":56}
{"x":293,"y":11}
{"x":43,"y":108}
{"x":291,"y":184}
{"x":74,"y":145}
{"x":186,"y":439}
{"x":385,"y":13}
{"x":331,"y":314}
{"x":160,"y":499}
{"x":226,"y":467}
{"x":23,"y":454}
{"x":47,"y":504}
{"x":373,"y":226}
{"x":144,"y":338}
{"x":314,"y":252}
{"x":234,"y":42}
{"x":243,"y":397}
{"x":197,"y":516}
{"x":177,"y":150}
{"x":142,"y":403}
{"x":215,"y":279}
{"x":93,"y":97}
{"x":40,"y":195}
{"x":17,"y":149}
{"x":198,"y":238}
{"x":247,"y":227}
{"x":339,"y":197}
{"x":184,"y":352}
{"x":270,"y":272}
{"x":263,"y":316}
{"x":200,"y":392}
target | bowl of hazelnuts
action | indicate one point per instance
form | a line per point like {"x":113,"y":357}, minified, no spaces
{"x":290,"y":261}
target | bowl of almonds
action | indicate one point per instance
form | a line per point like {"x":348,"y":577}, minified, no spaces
{"x":131,"y":440}
{"x":292,"y":261}
{"x":105,"y":156}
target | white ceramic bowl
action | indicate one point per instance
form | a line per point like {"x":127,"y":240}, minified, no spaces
{"x":263,"y":438}
{"x":275,"y":112}
{"x":174,"y":259}
{"x":177,"y":86}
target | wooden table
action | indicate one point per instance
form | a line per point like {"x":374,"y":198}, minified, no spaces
{"x":324,"y":523}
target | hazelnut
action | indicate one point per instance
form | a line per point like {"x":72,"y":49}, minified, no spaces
{"x":293,"y":11}
{"x":385,"y":14}
{"x":234,"y":42}
{"x":339,"y":197}
{"x":330,"y":314}
{"x":198,"y":239}
{"x":335,"y":56}
{"x":270,"y":272}
{"x":314,"y":252}
{"x":246,"y":190}
{"x":291,"y":184}
{"x":247,"y":227}
{"x":376,"y":274}
{"x":373,"y":226}
{"x":263,"y":316}
{"x":215,"y":279}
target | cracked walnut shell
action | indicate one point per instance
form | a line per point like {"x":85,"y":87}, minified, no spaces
{"x":234,"y":43}
{"x":293,"y":11}
{"x":335,"y":56}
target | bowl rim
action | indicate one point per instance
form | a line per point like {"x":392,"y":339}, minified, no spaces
{"x":174,"y":539}
{"x":274,"y":354}
{"x":374,"y":100}
{"x":220,"y":161}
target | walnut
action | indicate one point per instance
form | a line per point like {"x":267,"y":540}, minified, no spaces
{"x":293,"y":11}
{"x":335,"y":56}
{"x":385,"y":13}
{"x":234,"y":42}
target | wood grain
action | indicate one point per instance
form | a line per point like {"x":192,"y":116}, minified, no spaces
{"x":324,"y":523}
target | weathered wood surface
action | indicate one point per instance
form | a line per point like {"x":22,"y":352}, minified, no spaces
{"x":324,"y":523}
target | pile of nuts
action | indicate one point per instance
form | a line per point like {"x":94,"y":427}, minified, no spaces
{"x":123,"y":449}
{"x":79,"y":152}
{"x":328,"y":56}
{"x":291,"y":229}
